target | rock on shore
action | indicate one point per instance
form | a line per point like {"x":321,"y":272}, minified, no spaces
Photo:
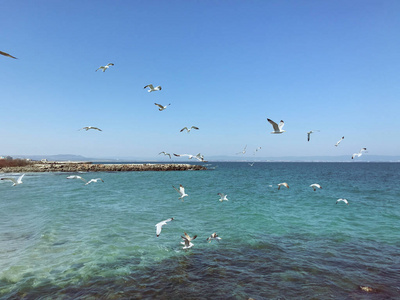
{"x":90,"y":167}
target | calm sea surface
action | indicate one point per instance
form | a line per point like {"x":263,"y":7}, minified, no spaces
{"x":60,"y":239}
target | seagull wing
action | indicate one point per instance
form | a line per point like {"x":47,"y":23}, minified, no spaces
{"x":19,"y":180}
{"x":149,"y":86}
{"x":159,"y":105}
{"x":194,"y":127}
{"x":177,"y":190}
{"x":274,"y":125}
{"x":6,"y":54}
{"x":281,"y":123}
{"x":308,"y":136}
{"x":181,"y":189}
{"x":9,"y":178}
{"x":184,"y":129}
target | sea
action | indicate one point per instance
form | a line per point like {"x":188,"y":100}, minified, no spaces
{"x":62,"y":239}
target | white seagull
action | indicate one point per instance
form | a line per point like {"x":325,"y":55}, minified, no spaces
{"x":152,"y":88}
{"x":165,"y":153}
{"x":315,"y":186}
{"x":199,"y":156}
{"x":222,"y":197}
{"x":187,"y":241}
{"x":359,"y":153}
{"x":190,"y":156}
{"x":342,"y":200}
{"x":94,"y":180}
{"x":160,"y":225}
{"x":309,"y":134}
{"x":277,"y":128}
{"x":214,"y":236}
{"x":6,"y":54}
{"x":188,"y":129}
{"x":243,"y":151}
{"x":337,"y":144}
{"x":251,"y":164}
{"x":15,"y":181}
{"x":91,"y":127}
{"x":282,"y":184}
{"x":104,"y":68}
{"x":76,"y":177}
{"x":161,"y":108}
{"x":181,"y":191}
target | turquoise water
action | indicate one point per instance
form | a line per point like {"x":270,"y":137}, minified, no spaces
{"x":62,"y":239}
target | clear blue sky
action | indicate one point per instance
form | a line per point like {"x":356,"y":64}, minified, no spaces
{"x":225,"y":66}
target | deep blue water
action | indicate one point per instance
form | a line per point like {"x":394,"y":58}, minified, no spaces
{"x":62,"y":239}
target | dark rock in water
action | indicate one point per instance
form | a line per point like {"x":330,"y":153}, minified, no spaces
{"x":90,"y":167}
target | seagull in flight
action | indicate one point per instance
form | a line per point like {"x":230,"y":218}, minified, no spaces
{"x":337,"y":144}
{"x":152,"y":88}
{"x":199,"y":156}
{"x":282,"y":184}
{"x":277,"y":128}
{"x":165,"y":153}
{"x":94,"y":180}
{"x":91,"y":127}
{"x":243,"y":151}
{"x":104,"y":68}
{"x":76,"y":177}
{"x":15,"y":181}
{"x":309,"y":134}
{"x":359,"y":153}
{"x":251,"y":164}
{"x":315,"y":186}
{"x":161,"y":108}
{"x":342,"y":200}
{"x":214,"y":236}
{"x":161,"y":224}
{"x":181,"y":191}
{"x":6,"y":54}
{"x":222,"y":197}
{"x":187,"y":241}
{"x":188,"y":129}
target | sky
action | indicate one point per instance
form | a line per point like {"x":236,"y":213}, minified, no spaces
{"x":224,"y":66}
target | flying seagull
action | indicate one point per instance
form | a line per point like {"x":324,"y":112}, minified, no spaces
{"x":282,"y":184}
{"x":315,"y":186}
{"x":243,"y":151}
{"x":199,"y":156}
{"x":187,"y":241}
{"x":165,"y":153}
{"x":337,"y":144}
{"x":15,"y":181}
{"x":251,"y":164}
{"x":6,"y":54}
{"x":277,"y":128}
{"x":188,"y":129}
{"x":94,"y":180}
{"x":309,"y":134}
{"x":214,"y":236}
{"x":91,"y":127}
{"x":76,"y":177}
{"x":222,"y":197}
{"x":257,"y":149}
{"x":104,"y":68}
{"x":161,"y":108}
{"x":152,"y":88}
{"x":359,"y":153}
{"x":342,"y":200}
{"x":181,"y":191}
{"x":160,"y":225}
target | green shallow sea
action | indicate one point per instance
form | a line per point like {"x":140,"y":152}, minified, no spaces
{"x":60,"y":239}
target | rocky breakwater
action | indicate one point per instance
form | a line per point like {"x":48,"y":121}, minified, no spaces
{"x":91,"y":167}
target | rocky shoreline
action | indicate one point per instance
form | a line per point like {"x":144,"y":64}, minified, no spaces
{"x":92,"y":167}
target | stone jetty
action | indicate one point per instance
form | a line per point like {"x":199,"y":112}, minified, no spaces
{"x":93,"y":167}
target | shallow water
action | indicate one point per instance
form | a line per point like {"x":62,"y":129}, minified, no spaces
{"x":62,"y":239}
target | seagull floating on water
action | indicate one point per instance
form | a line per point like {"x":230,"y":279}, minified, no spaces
{"x":282,"y":184}
{"x":152,"y":88}
{"x":359,"y":153}
{"x":161,"y":224}
{"x":277,"y":128}
{"x":222,"y":197}
{"x":181,"y":191}
{"x":243,"y":151}
{"x":337,"y":144}
{"x":315,"y":186}
{"x":91,"y":127}
{"x":104,"y":68}
{"x":342,"y":200}
{"x":309,"y":134}
{"x":213,"y":236}
{"x":94,"y":180}
{"x":6,"y":54}
{"x":187,"y":241}
{"x":188,"y":129}
{"x":165,"y":153}
{"x":161,"y":108}
{"x":15,"y":181}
